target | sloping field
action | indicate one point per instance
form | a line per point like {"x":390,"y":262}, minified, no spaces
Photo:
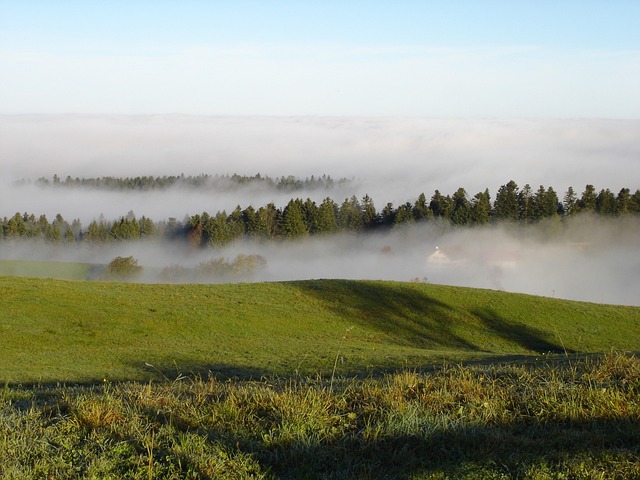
{"x":43,"y":269}
{"x":52,"y":330}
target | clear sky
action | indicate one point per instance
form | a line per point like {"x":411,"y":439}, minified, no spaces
{"x":389,"y":58}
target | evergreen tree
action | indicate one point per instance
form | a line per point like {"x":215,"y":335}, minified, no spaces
{"x":33,"y":226}
{"x":52,"y":233}
{"x":350,"y":215}
{"x":125,"y":229}
{"x":310,"y":213}
{"x":174,"y":229}
{"x":438,"y":205}
{"x":146,"y":227}
{"x":217,"y":230}
{"x":606,"y":203}
{"x":43,"y":226}
{"x":404,"y":214}
{"x":250,"y":220}
{"x":388,"y":215}
{"x":235,"y":223}
{"x":506,"y":206}
{"x":194,"y":227}
{"x":69,"y":237}
{"x":268,"y":219}
{"x":369,"y":215}
{"x":461,"y":212}
{"x":481,"y":208}
{"x":587,"y":202}
{"x":570,"y":202}
{"x":635,"y":202}
{"x":624,"y":202}
{"x":16,"y":227}
{"x":421,"y":210}
{"x":552,"y":205}
{"x":292,"y":223}
{"x":539,"y":203}
{"x":327,"y":221}
{"x":96,"y":232}
{"x":527,"y":205}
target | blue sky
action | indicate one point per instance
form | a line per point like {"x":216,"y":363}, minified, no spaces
{"x":392,"y":58}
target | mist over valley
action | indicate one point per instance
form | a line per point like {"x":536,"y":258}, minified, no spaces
{"x":390,"y":160}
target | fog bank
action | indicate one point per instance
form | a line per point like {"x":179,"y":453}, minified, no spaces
{"x":391,"y":159}
{"x":591,"y":259}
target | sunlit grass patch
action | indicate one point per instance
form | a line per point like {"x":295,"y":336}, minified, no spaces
{"x":545,"y":420}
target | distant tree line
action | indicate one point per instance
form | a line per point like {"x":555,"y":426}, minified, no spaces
{"x":203,"y":181}
{"x":302,"y":218}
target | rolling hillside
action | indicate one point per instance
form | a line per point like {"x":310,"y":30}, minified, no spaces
{"x":53,"y":330}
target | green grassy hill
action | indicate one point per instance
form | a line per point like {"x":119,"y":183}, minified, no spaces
{"x":53,"y":330}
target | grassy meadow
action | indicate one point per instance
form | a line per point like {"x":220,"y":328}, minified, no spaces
{"x":44,"y":269}
{"x":313,"y":379}
{"x":69,"y":331}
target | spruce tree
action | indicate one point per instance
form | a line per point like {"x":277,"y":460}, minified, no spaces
{"x":570,"y":202}
{"x":369,"y":215}
{"x":587,"y":202}
{"x":292,"y":223}
{"x":481,"y":208}
{"x":461,"y":212}
{"x":506,"y":206}
{"x":327,"y":221}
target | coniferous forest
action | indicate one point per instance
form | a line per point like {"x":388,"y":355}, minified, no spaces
{"x":304,"y":217}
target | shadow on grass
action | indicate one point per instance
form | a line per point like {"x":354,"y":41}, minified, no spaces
{"x":510,"y":449}
{"x":260,"y":431}
{"x":408,"y":317}
{"x":526,"y":337}
{"x":413,"y":318}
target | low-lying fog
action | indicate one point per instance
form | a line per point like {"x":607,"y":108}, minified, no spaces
{"x":592,"y":259}
{"x":392,"y":160}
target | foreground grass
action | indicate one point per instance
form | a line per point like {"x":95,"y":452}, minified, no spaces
{"x":572,"y":420}
{"x":52,"y":330}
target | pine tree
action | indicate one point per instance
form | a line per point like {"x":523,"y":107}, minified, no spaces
{"x":506,"y":206}
{"x":327,"y":216}
{"x":587,"y":202}
{"x":624,"y":202}
{"x":552,"y":205}
{"x":606,"y":203}
{"x":310,"y":213}
{"x":404,"y":214}
{"x":461,"y":212}
{"x":369,"y":215}
{"x":527,"y":205}
{"x":250,"y":220}
{"x":268,"y":219}
{"x":350,"y":215}
{"x":388,"y":215}
{"x":481,"y":208}
{"x":441,"y":206}
{"x":217,"y":230}
{"x":421,"y":210}
{"x":292,"y":223}
{"x":570,"y":202}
